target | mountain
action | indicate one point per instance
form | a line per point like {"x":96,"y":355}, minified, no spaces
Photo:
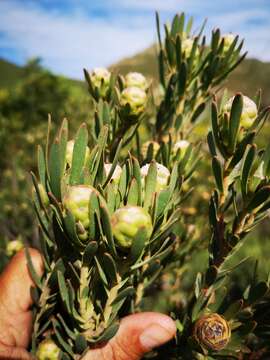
{"x":250,"y":75}
{"x":10,"y":74}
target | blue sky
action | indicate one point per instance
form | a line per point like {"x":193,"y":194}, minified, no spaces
{"x":71,"y":34}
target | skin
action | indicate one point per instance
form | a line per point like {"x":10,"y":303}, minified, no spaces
{"x":137,"y":335}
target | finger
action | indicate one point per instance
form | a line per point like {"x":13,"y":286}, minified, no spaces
{"x":15,"y":300}
{"x":7,"y":352}
{"x":137,"y":335}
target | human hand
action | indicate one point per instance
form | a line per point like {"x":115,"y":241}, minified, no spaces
{"x":137,"y":334}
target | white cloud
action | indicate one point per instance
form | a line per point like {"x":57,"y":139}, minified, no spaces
{"x":68,"y":42}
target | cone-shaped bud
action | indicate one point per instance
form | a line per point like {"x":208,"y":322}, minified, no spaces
{"x":135,"y":97}
{"x":14,"y":246}
{"x":249,"y":112}
{"x":146,"y":145}
{"x":116,"y":174}
{"x":163,"y":175}
{"x":76,"y":200}
{"x":127,"y":221}
{"x":228,"y":40}
{"x":69,"y":152}
{"x":48,"y":350}
{"x":100,"y":76}
{"x":187,"y":45}
{"x":180,"y":147}
{"x":136,"y":79}
{"x":212,"y":332}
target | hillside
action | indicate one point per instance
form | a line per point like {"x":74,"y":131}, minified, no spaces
{"x":250,"y":76}
{"x":10,"y":74}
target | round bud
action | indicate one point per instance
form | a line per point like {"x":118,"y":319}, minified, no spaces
{"x":127,"y":221}
{"x":180,"y":146}
{"x":146,"y":145}
{"x":76,"y":200}
{"x":69,"y":152}
{"x":212,"y":332}
{"x":135,"y":79}
{"x":249,"y":112}
{"x":135,"y":97}
{"x":14,"y":246}
{"x":100,"y":76}
{"x":48,"y":350}
{"x":116,"y":174}
{"x":163,"y":175}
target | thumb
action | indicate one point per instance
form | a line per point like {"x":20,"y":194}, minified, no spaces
{"x":15,"y":299}
{"x":137,"y":335}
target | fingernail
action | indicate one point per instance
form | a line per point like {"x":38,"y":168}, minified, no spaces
{"x":157,"y":334}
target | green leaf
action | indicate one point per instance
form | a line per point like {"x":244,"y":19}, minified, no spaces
{"x":55,"y":169}
{"x":110,"y":267}
{"x":90,"y":252}
{"x":127,"y":292}
{"x":182,"y":79}
{"x":78,"y":158}
{"x":63,"y":291}
{"x":101,"y":272}
{"x":35,"y":277}
{"x":150,"y":184}
{"x":41,"y":166}
{"x":266,"y":161}
{"x":137,"y":175}
{"x":105,"y":219}
{"x":233,"y":310}
{"x":93,"y":208}
{"x":246,"y":168}
{"x":257,"y":292}
{"x":70,"y":226}
{"x":133,"y":193}
{"x":138,"y":244}
{"x":211,"y":143}
{"x":259,"y":198}
{"x":218,"y":173}
{"x":234,"y":124}
{"x":63,"y":137}
{"x":80,"y":344}
{"x":60,"y":339}
{"x":108,"y":333}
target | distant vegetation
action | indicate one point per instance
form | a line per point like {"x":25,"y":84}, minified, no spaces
{"x":248,"y":77}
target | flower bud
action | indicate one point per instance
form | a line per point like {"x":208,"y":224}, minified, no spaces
{"x":14,"y":246}
{"x":180,"y":146}
{"x":69,"y":152}
{"x":48,"y":350}
{"x":187,"y":45}
{"x":212,"y":332}
{"x":163,"y":175}
{"x":145,"y":147}
{"x":127,"y":221}
{"x":249,"y":112}
{"x":76,"y":200}
{"x":135,"y":97}
{"x":116,"y":174}
{"x":228,"y":40}
{"x":100,"y":76}
{"x":135,"y":79}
